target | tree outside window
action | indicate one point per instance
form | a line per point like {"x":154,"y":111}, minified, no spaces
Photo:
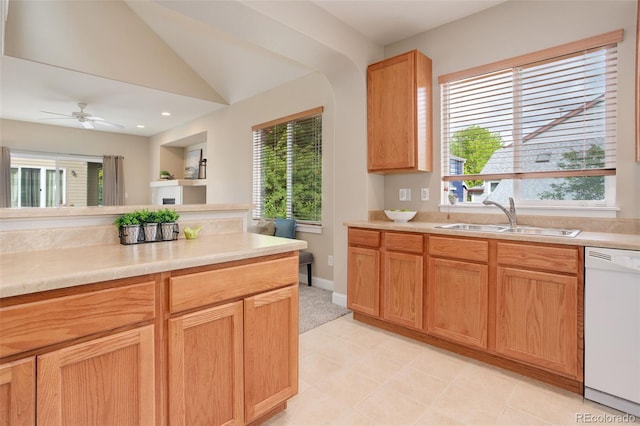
{"x":288,"y":169}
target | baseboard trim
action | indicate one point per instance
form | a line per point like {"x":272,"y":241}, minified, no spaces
{"x":339,"y":299}
{"x":336,"y":298}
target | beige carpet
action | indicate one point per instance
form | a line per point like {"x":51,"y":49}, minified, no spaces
{"x":316,"y":308}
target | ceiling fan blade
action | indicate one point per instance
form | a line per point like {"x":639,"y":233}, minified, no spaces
{"x":58,"y":118}
{"x":106,"y":123}
{"x":57,"y":113}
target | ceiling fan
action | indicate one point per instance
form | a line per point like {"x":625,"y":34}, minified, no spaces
{"x":84,"y":118}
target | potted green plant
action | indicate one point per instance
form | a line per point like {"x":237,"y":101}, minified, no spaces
{"x":168,"y":226}
{"x":149,"y":222}
{"x":128,"y":228}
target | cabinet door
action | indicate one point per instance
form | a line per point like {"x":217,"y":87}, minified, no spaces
{"x":403,"y":289}
{"x":105,"y":381}
{"x":537,"y":319}
{"x":392,"y":114}
{"x":270,"y":350}
{"x":458,"y":295}
{"x":18,"y":393}
{"x":205,"y":367}
{"x":363,"y":280}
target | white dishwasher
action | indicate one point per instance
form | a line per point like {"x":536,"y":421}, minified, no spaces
{"x":612,"y":328}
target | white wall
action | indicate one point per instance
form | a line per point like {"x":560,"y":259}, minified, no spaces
{"x":515,"y":28}
{"x":67,"y":140}
{"x":230,"y":151}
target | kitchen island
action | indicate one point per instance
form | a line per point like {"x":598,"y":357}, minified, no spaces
{"x":200,"y":331}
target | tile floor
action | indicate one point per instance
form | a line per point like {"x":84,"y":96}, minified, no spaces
{"x":355,"y":374}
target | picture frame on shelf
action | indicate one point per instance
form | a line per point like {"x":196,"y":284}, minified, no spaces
{"x":192,"y":162}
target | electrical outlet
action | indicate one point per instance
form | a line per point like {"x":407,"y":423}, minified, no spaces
{"x":424,"y":194}
{"x":405,"y":195}
{"x":330,"y":260}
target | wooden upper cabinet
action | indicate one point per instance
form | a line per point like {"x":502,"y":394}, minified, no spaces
{"x":399,"y":114}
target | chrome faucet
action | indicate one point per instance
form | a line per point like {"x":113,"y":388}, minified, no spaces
{"x":511,"y":213}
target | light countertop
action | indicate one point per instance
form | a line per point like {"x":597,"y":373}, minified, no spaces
{"x":584,"y":238}
{"x":34,"y":271}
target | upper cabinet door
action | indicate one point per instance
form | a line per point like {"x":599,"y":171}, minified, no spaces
{"x":400,"y":114}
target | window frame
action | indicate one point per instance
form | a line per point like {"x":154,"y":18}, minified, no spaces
{"x":61,"y":191}
{"x":583,"y":45}
{"x":304,"y":225}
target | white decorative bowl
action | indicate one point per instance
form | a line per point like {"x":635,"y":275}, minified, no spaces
{"x":400,"y":216}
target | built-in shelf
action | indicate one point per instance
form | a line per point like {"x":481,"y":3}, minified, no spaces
{"x":178,"y":182}
{"x":179,"y":191}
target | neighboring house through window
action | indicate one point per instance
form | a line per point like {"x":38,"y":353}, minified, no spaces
{"x":540,"y":128}
{"x":287,"y":168}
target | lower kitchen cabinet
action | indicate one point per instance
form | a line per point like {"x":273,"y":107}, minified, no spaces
{"x":515,"y":304}
{"x":235,"y":329}
{"x":539,"y":304}
{"x":270,"y":350}
{"x":109,"y":380}
{"x":18,"y":393}
{"x":363,"y":279}
{"x":458,"y":290}
{"x":458,"y":301}
{"x":403,"y":279}
{"x":537,"y":319}
{"x":206,"y":368}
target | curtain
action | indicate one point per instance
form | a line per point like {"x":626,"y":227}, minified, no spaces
{"x":5,"y":177}
{"x":113,"y":180}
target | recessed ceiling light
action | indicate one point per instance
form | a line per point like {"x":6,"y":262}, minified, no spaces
{"x":166,"y":113}
{"x":140,"y":126}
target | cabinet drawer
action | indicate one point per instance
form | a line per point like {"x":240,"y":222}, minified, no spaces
{"x":396,"y":241}
{"x":37,"y":324}
{"x":206,"y":288}
{"x":550,"y":258}
{"x":459,"y":248}
{"x":362,"y":237}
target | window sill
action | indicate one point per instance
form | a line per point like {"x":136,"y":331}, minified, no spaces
{"x":309,"y":229}
{"x":529,"y":210}
{"x":300,"y":227}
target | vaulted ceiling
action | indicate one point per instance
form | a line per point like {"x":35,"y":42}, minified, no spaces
{"x":129,"y":61}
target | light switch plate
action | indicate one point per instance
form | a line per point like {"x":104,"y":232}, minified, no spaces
{"x":405,"y":195}
{"x":424,"y":194}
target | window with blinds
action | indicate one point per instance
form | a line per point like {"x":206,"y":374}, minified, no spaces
{"x":287,"y":168}
{"x":538,"y":127}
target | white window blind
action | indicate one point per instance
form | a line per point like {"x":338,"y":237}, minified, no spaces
{"x":287,"y":168}
{"x":546,"y":115}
